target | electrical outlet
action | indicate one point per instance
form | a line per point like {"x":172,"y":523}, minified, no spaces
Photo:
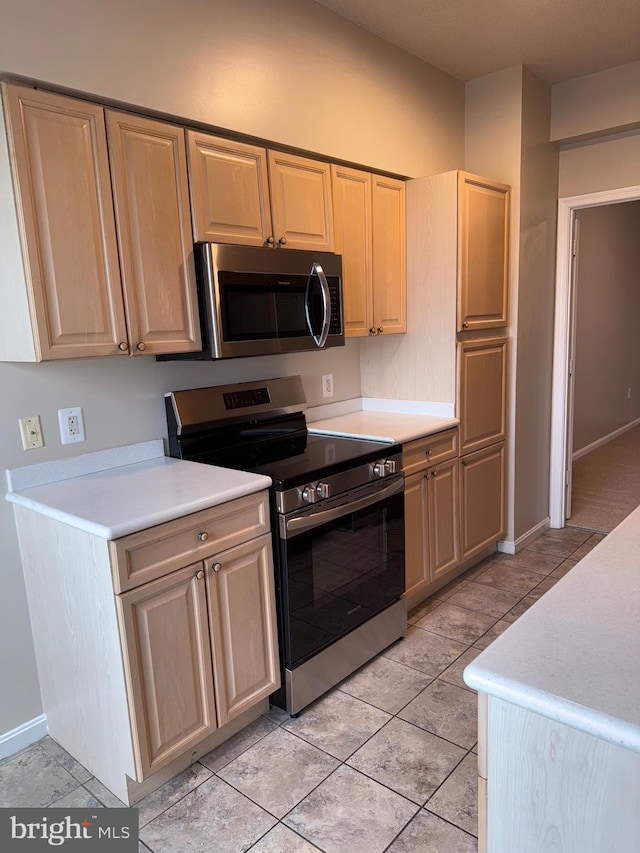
{"x":71,"y":425}
{"x":31,"y":432}
{"x":327,"y":385}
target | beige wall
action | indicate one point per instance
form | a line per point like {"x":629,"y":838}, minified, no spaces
{"x":245,"y":65}
{"x":603,"y":164}
{"x":608,"y":316}
{"x":597,"y":104}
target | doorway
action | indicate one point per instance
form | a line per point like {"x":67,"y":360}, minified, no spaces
{"x":563,"y":367}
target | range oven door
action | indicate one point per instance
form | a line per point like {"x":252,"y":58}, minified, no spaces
{"x":339,"y":564}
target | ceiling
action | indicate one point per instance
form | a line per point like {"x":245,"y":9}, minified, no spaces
{"x":556,"y":39}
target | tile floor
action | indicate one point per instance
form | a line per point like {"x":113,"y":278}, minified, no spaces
{"x":385,"y":762}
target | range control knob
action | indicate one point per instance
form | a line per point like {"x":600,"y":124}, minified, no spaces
{"x":390,"y":466}
{"x":309,"y":495}
{"x":378,"y":469}
{"x":323,"y":490}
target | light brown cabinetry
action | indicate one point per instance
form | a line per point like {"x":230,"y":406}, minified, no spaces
{"x":245,"y":194}
{"x":151,"y":194}
{"x":481,"y":405}
{"x":432,"y":549}
{"x":369,"y":217}
{"x":168,"y":644}
{"x":482,"y":499}
{"x":483,"y":229}
{"x":75,"y":288}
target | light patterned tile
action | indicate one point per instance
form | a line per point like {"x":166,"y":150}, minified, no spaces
{"x":457,"y":623}
{"x":79,"y":798}
{"x":386,"y":684}
{"x":422,"y":609}
{"x":350,"y":812}
{"x":445,"y":710}
{"x":486,"y":639}
{"x":571,"y":535}
{"x":520,"y":608}
{"x":534,"y":561}
{"x":64,"y":759}
{"x":237,"y":744}
{"x":544,"y":586}
{"x":407,"y":759}
{"x":564,"y":568}
{"x":33,"y":778}
{"x":453,"y":673}
{"x":175,"y":789}
{"x":278,"y":771}
{"x":504,"y":576}
{"x":589,"y":545}
{"x":457,"y":799}
{"x":214,"y":810}
{"x":338,"y":723}
{"x":428,"y":833}
{"x":424,"y":651}
{"x":103,"y":794}
{"x":484,"y":599}
{"x":552,"y":547}
{"x":281,"y":839}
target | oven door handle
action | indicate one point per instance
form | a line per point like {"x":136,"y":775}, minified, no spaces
{"x":320,"y":339}
{"x":294,"y":526}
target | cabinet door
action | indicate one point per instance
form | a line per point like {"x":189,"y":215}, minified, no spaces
{"x":167,"y":659}
{"x":149,"y":175}
{"x":65,"y":209}
{"x":389,"y":256}
{"x":483,"y":229}
{"x":243,"y":626}
{"x":352,"y":220}
{"x":443,"y":502}
{"x":416,"y":538}
{"x":482,"y":392}
{"x":482,"y":497}
{"x":301,"y":202}
{"x":229,"y":190}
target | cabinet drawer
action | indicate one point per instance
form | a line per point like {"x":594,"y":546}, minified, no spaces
{"x":430,"y":450}
{"x":152,"y":553}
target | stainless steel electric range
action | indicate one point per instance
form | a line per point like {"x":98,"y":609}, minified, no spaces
{"x":337,"y":508}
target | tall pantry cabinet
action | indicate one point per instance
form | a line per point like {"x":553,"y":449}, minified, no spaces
{"x":458,"y":267}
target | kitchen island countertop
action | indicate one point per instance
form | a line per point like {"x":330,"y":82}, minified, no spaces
{"x":574,"y":656}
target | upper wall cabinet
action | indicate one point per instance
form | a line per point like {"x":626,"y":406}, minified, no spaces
{"x":150,"y":187}
{"x":61,"y":294}
{"x":483,"y":231}
{"x":234,"y":201}
{"x":369,"y":218}
{"x":64,"y":295}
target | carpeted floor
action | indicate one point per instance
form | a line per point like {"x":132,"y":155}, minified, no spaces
{"x":606,"y":484}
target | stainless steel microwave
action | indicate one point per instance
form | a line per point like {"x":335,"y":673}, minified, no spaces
{"x":259,"y":301}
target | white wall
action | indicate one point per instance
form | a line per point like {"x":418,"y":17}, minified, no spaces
{"x":608,"y":317}
{"x":244,"y":65}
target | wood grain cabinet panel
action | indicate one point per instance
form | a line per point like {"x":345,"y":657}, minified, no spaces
{"x":482,"y":392}
{"x":60,"y":169}
{"x":167,"y":658}
{"x":482,"y":499}
{"x":416,"y":545}
{"x":229,"y":190}
{"x":483,"y":229}
{"x":389,"y":256}
{"x":242,"y":620}
{"x":149,"y":176}
{"x":301,"y":202}
{"x":443,"y":511}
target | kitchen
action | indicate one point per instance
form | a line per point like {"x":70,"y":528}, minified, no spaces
{"x":159,"y":62}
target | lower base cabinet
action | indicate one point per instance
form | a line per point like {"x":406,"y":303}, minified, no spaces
{"x":199,"y":650}
{"x":155,"y":647}
{"x":454,"y":511}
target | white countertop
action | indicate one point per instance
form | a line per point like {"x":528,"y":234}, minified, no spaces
{"x":575,"y":655}
{"x":383,"y":426}
{"x":128,"y":495}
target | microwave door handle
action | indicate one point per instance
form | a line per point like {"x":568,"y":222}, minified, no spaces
{"x":320,"y":339}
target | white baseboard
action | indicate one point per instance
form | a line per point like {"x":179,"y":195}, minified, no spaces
{"x":511,"y":546}
{"x":24,"y":735}
{"x":605,"y":439}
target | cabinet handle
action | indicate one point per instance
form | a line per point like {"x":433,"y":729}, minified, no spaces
{"x":141,"y":346}
{"x":216,"y":567}
{"x":199,"y":575}
{"x":270,"y":241}
{"x":379,"y":330}
{"x":464,"y":462}
{"x":282,"y":241}
{"x":203,"y":536}
{"x":427,"y":453}
{"x":372,"y":331}
{"x":123,"y":346}
{"x":465,"y":325}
